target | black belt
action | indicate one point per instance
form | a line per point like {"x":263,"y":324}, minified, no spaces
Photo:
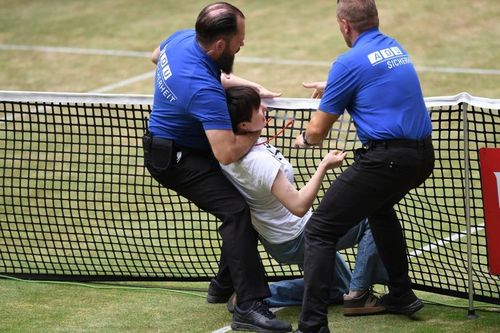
{"x":176,"y":148}
{"x":398,"y":143}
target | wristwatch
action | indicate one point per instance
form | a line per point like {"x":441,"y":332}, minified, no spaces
{"x":304,"y":139}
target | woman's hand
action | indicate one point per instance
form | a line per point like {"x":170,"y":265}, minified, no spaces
{"x":333,"y":159}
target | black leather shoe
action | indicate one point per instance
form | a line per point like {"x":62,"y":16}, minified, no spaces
{"x":258,"y":319}
{"x":406,"y":304}
{"x":217,"y":293}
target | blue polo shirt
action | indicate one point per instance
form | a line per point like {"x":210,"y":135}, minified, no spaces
{"x":376,"y":82}
{"x":189,"y":97}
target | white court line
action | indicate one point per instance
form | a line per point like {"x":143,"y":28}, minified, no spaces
{"x":444,"y":241}
{"x":458,"y":70}
{"x":74,"y":50}
{"x":223,"y":329}
{"x":249,"y":60}
{"x":103,"y":89}
{"x":124,"y":83}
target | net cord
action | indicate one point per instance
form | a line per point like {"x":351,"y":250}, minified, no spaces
{"x":278,"y":103}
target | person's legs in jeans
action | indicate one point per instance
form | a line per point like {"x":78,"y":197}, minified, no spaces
{"x":290,"y":292}
{"x":368,"y":268}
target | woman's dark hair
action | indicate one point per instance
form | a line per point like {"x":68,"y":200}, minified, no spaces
{"x":216,"y":20}
{"x":241,"y":102}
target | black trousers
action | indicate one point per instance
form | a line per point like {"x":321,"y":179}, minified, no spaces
{"x":196,"y":175}
{"x":382,"y":174}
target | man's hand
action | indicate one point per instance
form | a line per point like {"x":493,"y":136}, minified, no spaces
{"x":231,"y":80}
{"x":319,"y":88}
{"x":265,"y":93}
{"x":317,"y":130}
{"x":299,"y":142}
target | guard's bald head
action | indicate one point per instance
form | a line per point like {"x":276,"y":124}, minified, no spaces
{"x":217,"y":20}
{"x":216,"y":9}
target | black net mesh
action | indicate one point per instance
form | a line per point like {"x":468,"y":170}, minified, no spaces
{"x":76,"y":202}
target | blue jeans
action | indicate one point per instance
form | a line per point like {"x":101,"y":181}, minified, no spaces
{"x":367,"y":271}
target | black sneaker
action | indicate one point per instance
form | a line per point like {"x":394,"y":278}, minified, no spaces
{"x":406,"y":304}
{"x":217,"y":293}
{"x":259,"y":319}
{"x":365,"y":304}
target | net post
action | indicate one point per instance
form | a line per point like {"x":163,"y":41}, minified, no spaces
{"x":471,"y":314}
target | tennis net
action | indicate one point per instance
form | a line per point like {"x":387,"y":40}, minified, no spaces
{"x":76,"y":202}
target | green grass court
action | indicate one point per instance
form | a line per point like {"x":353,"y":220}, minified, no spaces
{"x":103,"y":46}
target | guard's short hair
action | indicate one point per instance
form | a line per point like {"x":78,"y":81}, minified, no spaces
{"x":217,"y":20}
{"x":361,"y":14}
{"x":241,"y":102}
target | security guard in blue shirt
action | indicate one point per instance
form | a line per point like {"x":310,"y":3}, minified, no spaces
{"x":375,"y":81}
{"x":190,"y":132}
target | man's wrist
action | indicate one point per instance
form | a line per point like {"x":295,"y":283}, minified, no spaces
{"x":305,"y":140}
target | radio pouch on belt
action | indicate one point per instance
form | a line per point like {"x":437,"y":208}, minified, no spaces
{"x":158,"y":152}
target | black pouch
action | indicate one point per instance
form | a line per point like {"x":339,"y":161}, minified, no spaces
{"x":158,"y":153}
{"x":358,"y":153}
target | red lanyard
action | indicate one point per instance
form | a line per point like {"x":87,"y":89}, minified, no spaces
{"x":288,"y":123}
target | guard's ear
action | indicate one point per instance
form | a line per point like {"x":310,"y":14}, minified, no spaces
{"x":219,"y":46}
{"x":346,"y":26}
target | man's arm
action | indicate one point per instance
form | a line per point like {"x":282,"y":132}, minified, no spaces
{"x":232,"y":80}
{"x":316,"y":130}
{"x":298,"y":202}
{"x":155,"y":55}
{"x":229,"y":147}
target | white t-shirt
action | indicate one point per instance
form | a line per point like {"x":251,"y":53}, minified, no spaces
{"x":253,"y":176}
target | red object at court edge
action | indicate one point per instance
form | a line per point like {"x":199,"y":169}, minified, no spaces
{"x":490,"y":180}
